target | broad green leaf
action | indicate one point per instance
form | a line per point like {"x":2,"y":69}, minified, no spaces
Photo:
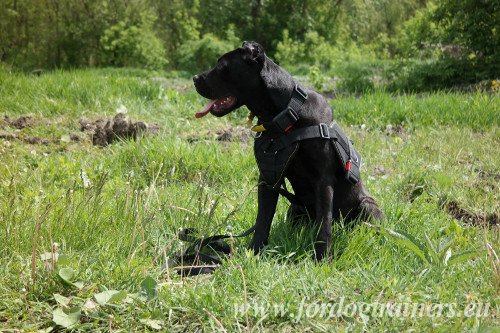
{"x":445,"y":251}
{"x":446,"y":257}
{"x":110,"y":296}
{"x":464,"y":256}
{"x":135,"y":297}
{"x":78,"y":284}
{"x":67,"y":317}
{"x":406,"y":240}
{"x":431,"y":249}
{"x":67,"y":274}
{"x":152,"y":323}
{"x":148,"y":285}
{"x":62,"y":300}
{"x":62,"y":260}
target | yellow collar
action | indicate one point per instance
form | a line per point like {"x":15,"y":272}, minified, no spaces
{"x":255,"y":128}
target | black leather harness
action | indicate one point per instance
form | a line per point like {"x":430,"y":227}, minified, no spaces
{"x":274,"y":150}
{"x":276,"y":147}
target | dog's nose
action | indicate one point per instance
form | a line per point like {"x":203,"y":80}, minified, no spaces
{"x":195,"y":78}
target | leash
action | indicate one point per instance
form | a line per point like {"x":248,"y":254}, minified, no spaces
{"x":204,"y":254}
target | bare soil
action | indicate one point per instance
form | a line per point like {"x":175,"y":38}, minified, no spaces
{"x":105,"y":131}
{"x":229,"y":134}
{"x":19,"y":123}
{"x":454,"y":210}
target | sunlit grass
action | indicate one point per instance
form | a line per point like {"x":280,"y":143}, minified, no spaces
{"x":119,"y":228}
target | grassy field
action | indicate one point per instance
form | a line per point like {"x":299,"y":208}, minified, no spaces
{"x":110,"y":215}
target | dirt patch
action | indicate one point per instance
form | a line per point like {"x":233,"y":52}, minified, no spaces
{"x":28,"y":139}
{"x":19,"y":123}
{"x":397,"y":130}
{"x":238,"y":133}
{"x":454,"y":210}
{"x":379,"y":170}
{"x":488,"y":175}
{"x":104,"y":131}
{"x":230,"y":134}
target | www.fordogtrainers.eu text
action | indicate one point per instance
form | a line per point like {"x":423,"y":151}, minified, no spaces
{"x":310,"y":310}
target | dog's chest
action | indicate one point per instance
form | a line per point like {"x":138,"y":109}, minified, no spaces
{"x":273,"y":163}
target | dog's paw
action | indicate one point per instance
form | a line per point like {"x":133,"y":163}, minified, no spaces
{"x":256,"y":246}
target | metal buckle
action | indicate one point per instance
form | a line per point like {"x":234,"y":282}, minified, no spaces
{"x":323,"y":131}
{"x":302,"y":93}
{"x":294,"y":117}
{"x":355,"y":157}
{"x":286,"y":118}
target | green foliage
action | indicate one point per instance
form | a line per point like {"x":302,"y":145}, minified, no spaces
{"x":419,"y":33}
{"x":356,"y":78}
{"x":264,"y":21}
{"x":200,"y":54}
{"x":133,"y":45}
{"x":312,"y":50}
{"x":67,"y":318}
{"x":431,"y":45}
{"x":316,"y":78}
{"x":437,"y":254}
{"x":472,"y":24}
{"x":68,"y":275}
{"x":366,"y":21}
{"x":450,"y":44}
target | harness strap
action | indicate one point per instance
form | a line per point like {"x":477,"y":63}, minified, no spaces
{"x":350,"y":158}
{"x":285,"y":120}
{"x":304,"y":133}
{"x":293,"y":198}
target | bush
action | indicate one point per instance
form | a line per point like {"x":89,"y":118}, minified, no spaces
{"x":417,"y":35}
{"x":200,"y":54}
{"x":316,"y":78}
{"x":356,"y":78}
{"x":134,"y":45}
{"x":452,"y":44}
{"x":313,"y":51}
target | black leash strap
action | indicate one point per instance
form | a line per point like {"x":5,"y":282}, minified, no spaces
{"x":195,"y":260}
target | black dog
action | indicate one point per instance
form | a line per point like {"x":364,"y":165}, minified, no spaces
{"x":246,"y":76}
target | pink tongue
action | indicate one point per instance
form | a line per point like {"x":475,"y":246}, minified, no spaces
{"x":206,"y":109}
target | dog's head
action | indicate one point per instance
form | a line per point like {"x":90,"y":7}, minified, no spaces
{"x":228,"y":84}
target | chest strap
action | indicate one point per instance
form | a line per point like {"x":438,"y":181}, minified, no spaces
{"x":351,"y":159}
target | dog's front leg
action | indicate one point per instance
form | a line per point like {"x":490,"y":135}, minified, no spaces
{"x":324,"y":207}
{"x":267,"y":200}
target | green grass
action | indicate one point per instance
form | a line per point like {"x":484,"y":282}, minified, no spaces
{"x":118,"y":231}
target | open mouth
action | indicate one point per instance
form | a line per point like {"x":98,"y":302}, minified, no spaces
{"x":217,"y":106}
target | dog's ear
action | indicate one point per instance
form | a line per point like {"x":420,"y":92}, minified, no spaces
{"x":253,"y":52}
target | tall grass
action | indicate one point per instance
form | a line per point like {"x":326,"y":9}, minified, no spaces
{"x":114,"y":212}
